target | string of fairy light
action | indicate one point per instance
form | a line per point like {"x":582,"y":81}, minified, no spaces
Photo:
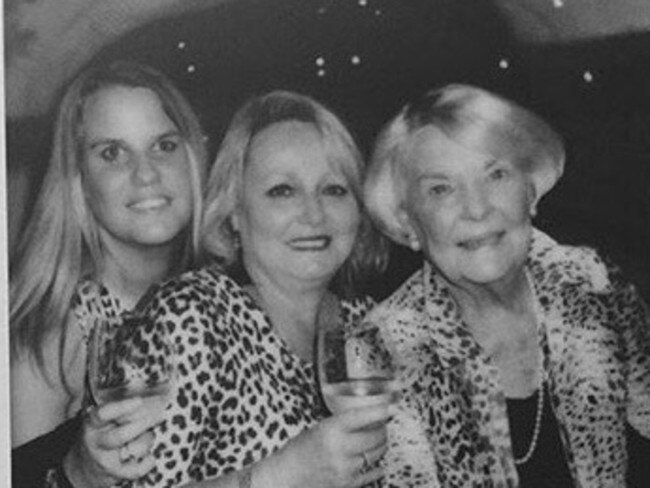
{"x":321,"y":62}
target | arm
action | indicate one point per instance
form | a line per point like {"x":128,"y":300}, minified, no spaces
{"x":39,"y":403}
{"x":95,"y":459}
{"x":636,"y":336}
{"x":328,"y":455}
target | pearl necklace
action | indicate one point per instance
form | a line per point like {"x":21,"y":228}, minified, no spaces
{"x":540,"y":395}
{"x":537,"y":429}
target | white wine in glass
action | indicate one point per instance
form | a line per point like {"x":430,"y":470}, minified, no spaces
{"x":130,"y":356}
{"x":354,"y":368}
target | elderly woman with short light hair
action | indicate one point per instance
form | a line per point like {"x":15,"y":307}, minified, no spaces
{"x":523,"y":361}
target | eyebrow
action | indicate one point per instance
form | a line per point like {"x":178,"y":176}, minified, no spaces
{"x":432,"y":176}
{"x":491,"y":163}
{"x":112,"y":140}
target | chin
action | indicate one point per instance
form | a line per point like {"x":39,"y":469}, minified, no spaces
{"x":160,"y":237}
{"x":316,"y":272}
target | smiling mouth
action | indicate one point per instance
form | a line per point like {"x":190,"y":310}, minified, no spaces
{"x":150,"y":204}
{"x":475,"y":243}
{"x":313,"y":243}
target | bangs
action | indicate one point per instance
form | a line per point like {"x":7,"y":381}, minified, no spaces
{"x":500,"y":138}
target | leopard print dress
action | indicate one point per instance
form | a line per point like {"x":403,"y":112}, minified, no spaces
{"x":241,"y":393}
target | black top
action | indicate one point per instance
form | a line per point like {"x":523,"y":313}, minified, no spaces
{"x":547,"y":468}
{"x":31,"y":461}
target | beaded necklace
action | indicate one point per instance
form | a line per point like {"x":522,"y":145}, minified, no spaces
{"x":536,"y":429}
{"x":540,"y":394}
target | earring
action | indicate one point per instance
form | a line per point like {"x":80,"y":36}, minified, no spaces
{"x":236,"y":239}
{"x":533,"y":211}
{"x":414,"y":243}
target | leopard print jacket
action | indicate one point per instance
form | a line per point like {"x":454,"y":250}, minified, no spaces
{"x":241,"y":392}
{"x":452,"y":428}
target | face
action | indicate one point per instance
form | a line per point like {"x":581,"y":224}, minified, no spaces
{"x":470,"y":212}
{"x":298,"y":218}
{"x":136,"y":170}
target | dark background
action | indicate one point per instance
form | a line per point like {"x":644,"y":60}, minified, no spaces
{"x":596,"y":93}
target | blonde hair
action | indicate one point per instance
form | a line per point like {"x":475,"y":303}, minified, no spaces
{"x":60,"y":243}
{"x":225,"y":182}
{"x":472,"y":117}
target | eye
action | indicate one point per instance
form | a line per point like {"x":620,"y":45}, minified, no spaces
{"x":499,"y":174}
{"x":281,"y":190}
{"x":336,"y":190}
{"x":112,"y":153}
{"x":440,"y":189}
{"x":168,"y":145}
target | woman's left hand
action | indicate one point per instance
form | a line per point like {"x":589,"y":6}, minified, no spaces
{"x":115,"y":444}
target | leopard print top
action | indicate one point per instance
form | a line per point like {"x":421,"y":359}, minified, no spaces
{"x":452,"y":427}
{"x":241,"y":393}
{"x":93,"y":300}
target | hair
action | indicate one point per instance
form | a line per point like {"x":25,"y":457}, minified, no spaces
{"x":472,"y":117}
{"x":225,"y":183}
{"x":61,"y":242}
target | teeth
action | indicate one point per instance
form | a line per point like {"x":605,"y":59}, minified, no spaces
{"x":473,"y":244}
{"x":311,"y":243}
{"x":150,"y":203}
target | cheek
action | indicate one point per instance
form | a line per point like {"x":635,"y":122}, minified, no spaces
{"x":432,"y":226}
{"x":261,"y":220}
{"x":180,"y":180}
{"x":516,"y":204}
{"x":348,"y":220}
{"x":102,"y":191}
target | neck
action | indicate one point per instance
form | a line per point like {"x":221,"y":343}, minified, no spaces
{"x":130,"y":271}
{"x":510,"y":294}
{"x":293,"y":310}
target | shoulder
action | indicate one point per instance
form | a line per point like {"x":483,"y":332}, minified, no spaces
{"x":572,"y":266}
{"x":91,"y":300}
{"x":355,"y":309}
{"x":409,"y":298}
{"x":199,"y":291}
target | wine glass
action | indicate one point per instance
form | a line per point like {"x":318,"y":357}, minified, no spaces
{"x":355,"y":369}
{"x":130,"y":356}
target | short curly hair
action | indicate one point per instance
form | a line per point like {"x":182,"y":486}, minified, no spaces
{"x":472,"y":117}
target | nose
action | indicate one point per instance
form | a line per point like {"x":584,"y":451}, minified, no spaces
{"x":313,"y":212}
{"x":145,"y":170}
{"x":476,"y":203}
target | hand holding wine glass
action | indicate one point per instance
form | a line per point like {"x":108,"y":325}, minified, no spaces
{"x":131,"y":356}
{"x":130,"y":375}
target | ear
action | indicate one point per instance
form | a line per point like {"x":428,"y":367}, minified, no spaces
{"x":533,"y":199}
{"x":545,"y":176}
{"x":234,"y":221}
{"x":409,"y":236}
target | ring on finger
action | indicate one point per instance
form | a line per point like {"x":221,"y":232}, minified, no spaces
{"x":366,"y":463}
{"x":125,"y":452}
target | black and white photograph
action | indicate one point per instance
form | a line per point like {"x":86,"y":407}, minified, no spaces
{"x":326,"y":244}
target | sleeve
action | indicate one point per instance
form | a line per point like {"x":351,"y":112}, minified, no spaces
{"x":194,"y":309}
{"x":635,"y":317}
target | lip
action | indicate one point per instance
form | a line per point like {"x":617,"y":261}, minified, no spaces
{"x":149,"y":204}
{"x":481,"y":240}
{"x":311,"y":243}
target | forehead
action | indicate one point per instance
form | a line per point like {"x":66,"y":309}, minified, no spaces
{"x":122,"y":109}
{"x":287,"y":144}
{"x":284,"y":136}
{"x":431,"y":151}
